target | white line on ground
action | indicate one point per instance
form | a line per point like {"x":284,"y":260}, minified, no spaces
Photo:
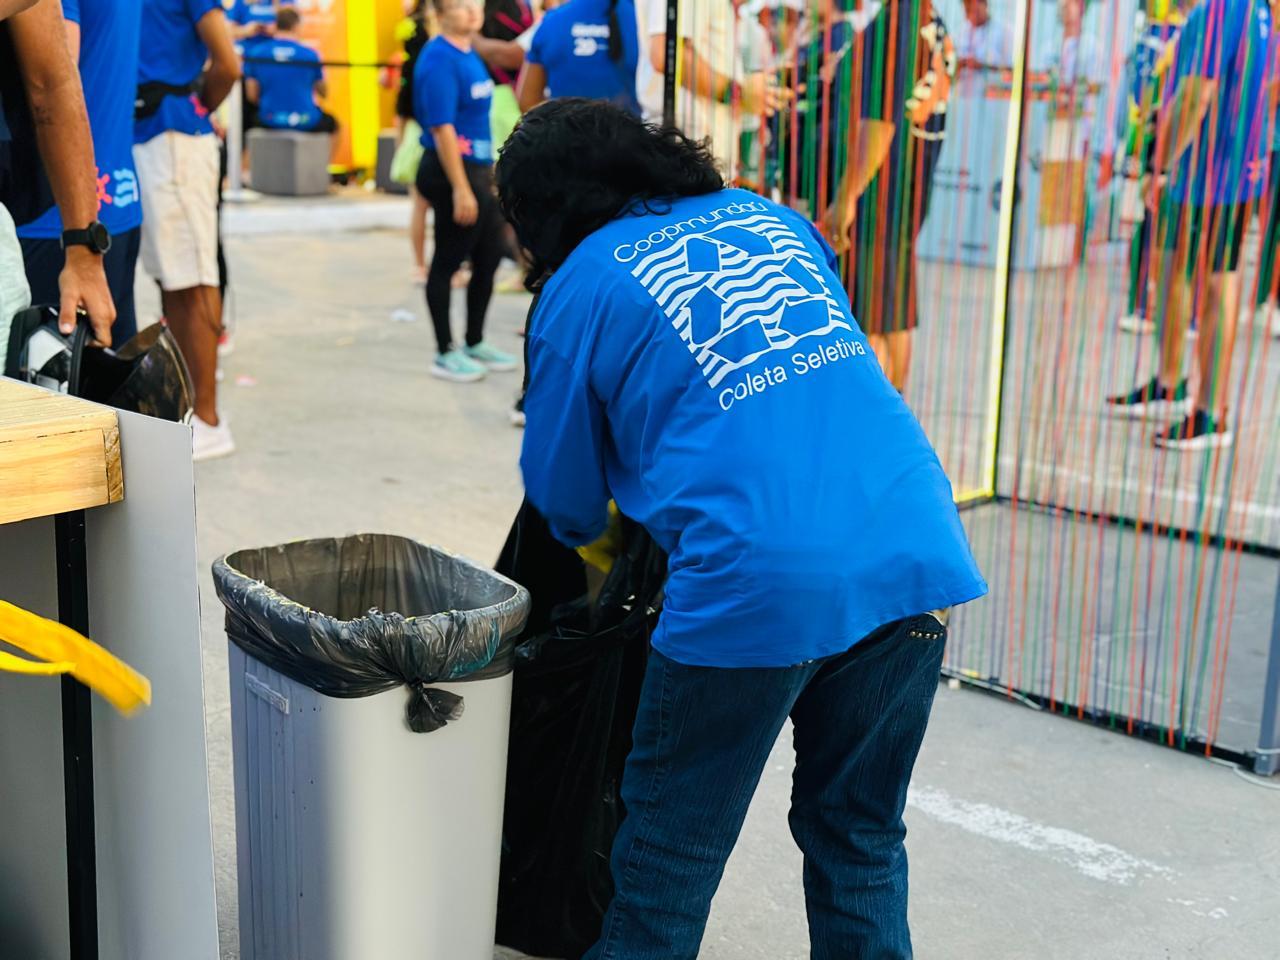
{"x":1094,"y":859}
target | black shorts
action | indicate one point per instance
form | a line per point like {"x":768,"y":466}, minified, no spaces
{"x":1215,"y":234}
{"x":327,"y":123}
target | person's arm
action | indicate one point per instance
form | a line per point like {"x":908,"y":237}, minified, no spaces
{"x":224,"y":62}
{"x":244,"y":31}
{"x":499,"y":54}
{"x":66,"y":148}
{"x":758,"y":93}
{"x":1180,"y":122}
{"x":465,"y":206}
{"x":71,"y":22}
{"x":9,"y":7}
{"x":867,"y":153}
{"x":252,"y":89}
{"x":563,"y":455}
{"x":532,"y":88}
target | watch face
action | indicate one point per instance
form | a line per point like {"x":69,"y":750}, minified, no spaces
{"x":99,"y":237}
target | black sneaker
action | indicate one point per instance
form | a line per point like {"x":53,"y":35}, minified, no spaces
{"x":1199,"y":431}
{"x":517,"y":413}
{"x":1151,"y":400}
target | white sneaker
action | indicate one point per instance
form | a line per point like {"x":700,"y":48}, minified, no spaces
{"x":209,"y":442}
{"x":226,"y":343}
{"x":1136,"y":323}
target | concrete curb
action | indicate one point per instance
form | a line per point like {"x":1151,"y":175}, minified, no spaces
{"x":276,"y":215}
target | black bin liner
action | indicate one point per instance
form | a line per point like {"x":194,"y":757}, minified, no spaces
{"x":578,"y":672}
{"x":359,"y":615}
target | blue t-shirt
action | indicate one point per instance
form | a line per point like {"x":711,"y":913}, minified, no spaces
{"x":175,"y":54}
{"x":572,"y":45}
{"x":245,"y":14}
{"x":1229,"y":41}
{"x":701,"y":367}
{"x":286,"y":84}
{"x":453,"y":86}
{"x":109,"y":31}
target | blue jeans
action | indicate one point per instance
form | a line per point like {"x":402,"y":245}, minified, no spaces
{"x":702,"y":737}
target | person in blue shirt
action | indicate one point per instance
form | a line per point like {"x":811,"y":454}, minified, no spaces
{"x":253,"y":22}
{"x":584,"y":48}
{"x":45,"y":145}
{"x":452,"y":96}
{"x":1212,"y":143}
{"x":178,"y":158}
{"x":104,"y":36}
{"x":284,"y":77}
{"x":694,"y":359}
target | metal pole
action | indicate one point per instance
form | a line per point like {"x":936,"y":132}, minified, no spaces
{"x":670,"y":65}
{"x":1003,"y":285}
{"x":1268,"y":759}
{"x":234,"y":113}
{"x":77,"y":744}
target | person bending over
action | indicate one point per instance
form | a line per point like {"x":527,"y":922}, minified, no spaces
{"x":694,"y":359}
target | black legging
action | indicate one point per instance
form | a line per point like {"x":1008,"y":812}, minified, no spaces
{"x":483,"y":243}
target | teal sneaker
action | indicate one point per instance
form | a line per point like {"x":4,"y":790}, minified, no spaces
{"x":492,"y":358}
{"x":458,"y":367}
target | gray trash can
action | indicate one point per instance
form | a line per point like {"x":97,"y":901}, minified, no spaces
{"x":368,"y":815}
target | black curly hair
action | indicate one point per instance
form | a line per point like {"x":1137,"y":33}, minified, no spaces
{"x":571,"y":165}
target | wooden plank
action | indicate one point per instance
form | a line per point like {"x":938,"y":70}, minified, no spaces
{"x":57,"y":453}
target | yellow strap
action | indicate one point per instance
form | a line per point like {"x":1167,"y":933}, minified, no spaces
{"x":66,"y":651}
{"x":32,"y":668}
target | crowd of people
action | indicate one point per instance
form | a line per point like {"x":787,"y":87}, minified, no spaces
{"x":704,"y":299}
{"x":135,"y":170}
{"x":1202,"y":138}
{"x":1196,"y":128}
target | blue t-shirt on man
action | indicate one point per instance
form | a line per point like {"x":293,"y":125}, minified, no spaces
{"x":701,"y":367}
{"x":286,"y":84}
{"x":572,"y":46}
{"x":246,"y":14}
{"x":109,"y":32}
{"x":173,"y":54}
{"x":1229,"y":41}
{"x":452,"y":86}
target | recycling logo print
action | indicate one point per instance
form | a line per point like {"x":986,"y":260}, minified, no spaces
{"x":738,"y":291}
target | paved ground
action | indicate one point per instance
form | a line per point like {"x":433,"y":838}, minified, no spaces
{"x":1030,"y":836}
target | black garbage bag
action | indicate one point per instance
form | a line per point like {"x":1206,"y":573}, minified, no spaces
{"x":354,"y":616}
{"x":578,"y":672}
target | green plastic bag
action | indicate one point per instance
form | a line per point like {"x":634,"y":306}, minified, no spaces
{"x":404,"y":165}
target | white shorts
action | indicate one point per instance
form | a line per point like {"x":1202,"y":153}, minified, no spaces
{"x":178,"y":175}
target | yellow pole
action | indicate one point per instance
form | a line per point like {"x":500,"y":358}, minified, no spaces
{"x":1004,"y":253}
{"x":362,"y":47}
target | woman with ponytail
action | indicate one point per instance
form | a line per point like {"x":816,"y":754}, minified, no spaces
{"x":584,"y":48}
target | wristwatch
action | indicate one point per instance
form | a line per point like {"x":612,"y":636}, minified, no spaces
{"x":94,"y":236}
